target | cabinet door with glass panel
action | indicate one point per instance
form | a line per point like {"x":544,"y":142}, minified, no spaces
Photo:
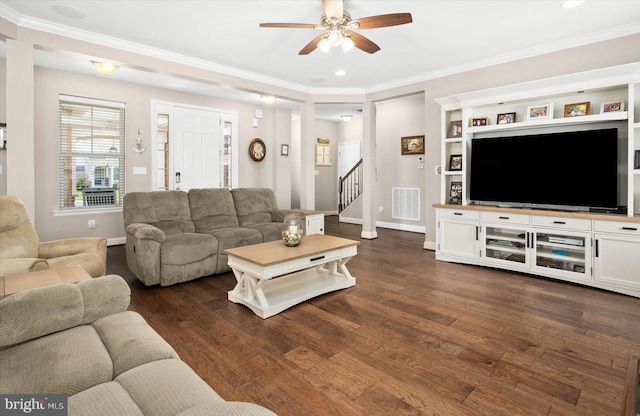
{"x":506,"y":245}
{"x":563,"y":253}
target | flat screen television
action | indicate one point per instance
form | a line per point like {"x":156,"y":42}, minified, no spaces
{"x":575,"y":170}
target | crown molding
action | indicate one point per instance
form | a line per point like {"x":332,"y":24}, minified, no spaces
{"x":92,"y":37}
{"x":103,"y":40}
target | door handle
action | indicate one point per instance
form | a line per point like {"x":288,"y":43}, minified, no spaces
{"x":177,"y":177}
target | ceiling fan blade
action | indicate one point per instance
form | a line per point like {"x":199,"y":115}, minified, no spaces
{"x":363,"y":43}
{"x":383,"y":20}
{"x":333,"y":8}
{"x":290,"y":25}
{"x":311,"y":46}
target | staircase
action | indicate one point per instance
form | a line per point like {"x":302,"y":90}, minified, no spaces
{"x":350,"y":186}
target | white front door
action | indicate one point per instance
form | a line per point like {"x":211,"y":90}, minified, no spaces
{"x":197,"y":149}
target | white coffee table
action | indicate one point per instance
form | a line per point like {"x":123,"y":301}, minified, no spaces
{"x":272,"y":277}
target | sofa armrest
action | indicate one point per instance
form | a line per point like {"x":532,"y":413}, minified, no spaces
{"x":22,"y":265}
{"x":144,"y":231}
{"x":45,"y":310}
{"x":71,"y":246}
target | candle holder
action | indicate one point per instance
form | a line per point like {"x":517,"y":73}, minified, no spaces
{"x":292,"y":231}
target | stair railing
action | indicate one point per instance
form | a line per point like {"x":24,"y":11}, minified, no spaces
{"x":350,"y":186}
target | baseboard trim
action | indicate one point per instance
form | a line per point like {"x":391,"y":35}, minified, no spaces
{"x":349,"y":220}
{"x":401,"y":227}
{"x":429,"y":245}
{"x":369,"y":235}
{"x":118,"y":241}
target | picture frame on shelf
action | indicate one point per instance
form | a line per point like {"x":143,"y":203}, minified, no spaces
{"x":506,"y":118}
{"x":412,"y":145}
{"x":577,"y":109}
{"x":455,"y":192}
{"x":479,"y":121}
{"x":611,"y":106}
{"x":455,"y":162}
{"x":539,"y":112}
{"x":455,"y":129}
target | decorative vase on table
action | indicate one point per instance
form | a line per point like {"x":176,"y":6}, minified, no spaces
{"x":292,"y":232}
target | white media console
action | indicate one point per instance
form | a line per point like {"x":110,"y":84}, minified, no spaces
{"x":591,"y":249}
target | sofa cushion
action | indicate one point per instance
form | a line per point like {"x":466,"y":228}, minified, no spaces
{"x":37,"y":312}
{"x":167,"y":210}
{"x":254,"y":205}
{"x":166,"y":387}
{"x":231,"y":238}
{"x":131,"y":341}
{"x":271,"y":231}
{"x":34,"y":313}
{"x":187,"y":248}
{"x":106,"y":399}
{"x":212,"y":208}
{"x":66,"y":362}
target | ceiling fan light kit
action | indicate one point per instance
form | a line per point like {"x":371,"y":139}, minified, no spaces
{"x":339,"y":30}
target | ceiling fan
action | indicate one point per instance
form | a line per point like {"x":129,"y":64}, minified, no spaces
{"x":339,"y":29}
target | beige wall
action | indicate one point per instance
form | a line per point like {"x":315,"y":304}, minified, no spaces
{"x":50,"y":83}
{"x":327,"y":176}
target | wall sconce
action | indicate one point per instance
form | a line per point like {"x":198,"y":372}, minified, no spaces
{"x":268,"y":99}
{"x":105,"y":68}
{"x":138,"y":147}
{"x":3,"y":136}
{"x":346,"y":117}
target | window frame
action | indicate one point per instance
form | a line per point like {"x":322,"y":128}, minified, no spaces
{"x":96,"y":134}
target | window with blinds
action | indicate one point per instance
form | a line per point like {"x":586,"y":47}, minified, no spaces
{"x":91,"y":153}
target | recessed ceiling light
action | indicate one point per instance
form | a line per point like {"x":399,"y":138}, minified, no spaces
{"x":570,"y":4}
{"x":341,"y":73}
{"x":68,"y":11}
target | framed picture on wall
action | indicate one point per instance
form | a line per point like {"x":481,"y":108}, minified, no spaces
{"x":412,"y":145}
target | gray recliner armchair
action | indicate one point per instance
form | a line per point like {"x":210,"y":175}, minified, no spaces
{"x":22,"y":252}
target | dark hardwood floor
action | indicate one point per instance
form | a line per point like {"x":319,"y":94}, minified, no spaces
{"x":414,"y":336}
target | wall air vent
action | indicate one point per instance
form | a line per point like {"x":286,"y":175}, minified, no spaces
{"x":406,"y":203}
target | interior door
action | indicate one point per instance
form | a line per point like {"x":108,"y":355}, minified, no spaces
{"x":197,"y":149}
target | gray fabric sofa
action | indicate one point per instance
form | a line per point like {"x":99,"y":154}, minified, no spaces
{"x":177,"y":236}
{"x":79,"y":340}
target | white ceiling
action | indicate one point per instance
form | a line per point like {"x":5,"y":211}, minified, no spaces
{"x":446,"y":36}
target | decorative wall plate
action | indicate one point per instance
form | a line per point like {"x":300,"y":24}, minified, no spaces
{"x":257,"y":150}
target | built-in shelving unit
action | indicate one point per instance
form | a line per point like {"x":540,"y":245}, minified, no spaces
{"x":599,"y":250}
{"x":596,"y":87}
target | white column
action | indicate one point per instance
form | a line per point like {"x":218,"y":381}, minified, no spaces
{"x":307,"y":156}
{"x":369,"y":165}
{"x":20,"y":124}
